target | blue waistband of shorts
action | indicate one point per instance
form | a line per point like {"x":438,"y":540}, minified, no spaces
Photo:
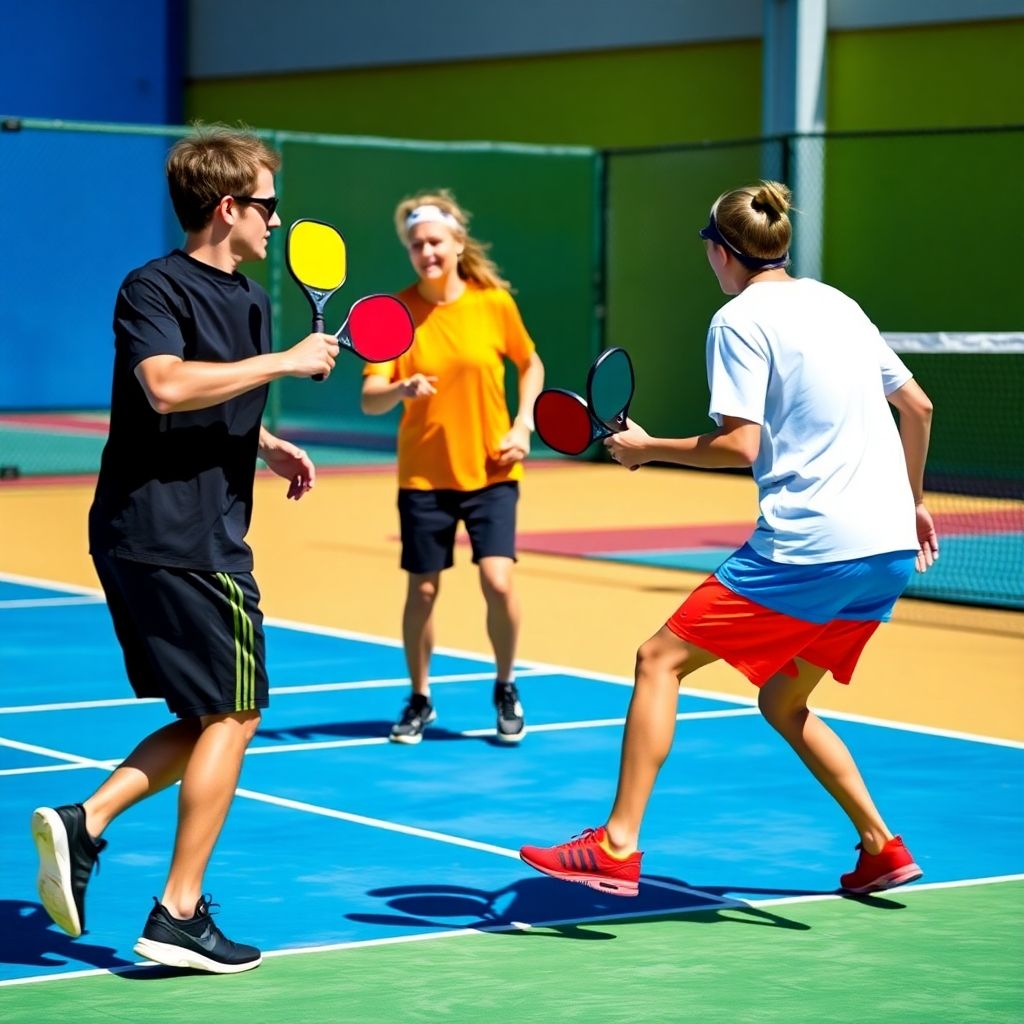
{"x":858,"y":589}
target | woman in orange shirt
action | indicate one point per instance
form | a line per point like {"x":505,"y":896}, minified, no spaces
{"x":459,"y":453}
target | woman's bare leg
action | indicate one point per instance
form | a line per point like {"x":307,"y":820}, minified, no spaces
{"x":418,"y":627}
{"x":503,"y":613}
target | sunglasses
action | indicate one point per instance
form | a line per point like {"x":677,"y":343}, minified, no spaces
{"x":269,"y":203}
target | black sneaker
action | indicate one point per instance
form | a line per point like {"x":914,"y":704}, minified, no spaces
{"x":416,"y":716}
{"x":511,"y":723}
{"x":67,"y":854}
{"x":196,"y":944}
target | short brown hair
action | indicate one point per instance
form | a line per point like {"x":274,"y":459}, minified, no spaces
{"x":213,"y":162}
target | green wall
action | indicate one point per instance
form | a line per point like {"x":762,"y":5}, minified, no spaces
{"x":623,"y":98}
{"x":661,"y":292}
{"x":916,"y":229}
{"x":538,"y":206}
{"x":920,"y":229}
{"x":939,"y":76}
{"x":925,"y":76}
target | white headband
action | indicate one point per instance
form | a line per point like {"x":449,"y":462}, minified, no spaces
{"x":431,"y":214}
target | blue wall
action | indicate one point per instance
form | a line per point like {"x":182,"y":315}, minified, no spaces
{"x":84,"y":209}
{"x":80,"y":209}
{"x":93,"y":60}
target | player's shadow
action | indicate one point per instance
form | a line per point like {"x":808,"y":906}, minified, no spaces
{"x":371,"y":729}
{"x":876,"y":900}
{"x":562,"y":910}
{"x":29,"y":937}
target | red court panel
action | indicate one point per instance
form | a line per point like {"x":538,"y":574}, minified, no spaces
{"x":643,"y":538}
{"x":722,"y":535}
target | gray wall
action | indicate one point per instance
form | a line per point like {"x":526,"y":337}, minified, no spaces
{"x":259,"y":37}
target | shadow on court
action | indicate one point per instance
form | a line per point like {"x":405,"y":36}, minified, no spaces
{"x":875,"y":900}
{"x":28,"y":936}
{"x":567,"y":909}
{"x":373,"y":729}
{"x":869,"y":900}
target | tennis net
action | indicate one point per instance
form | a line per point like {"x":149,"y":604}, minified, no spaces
{"x":975,"y":474}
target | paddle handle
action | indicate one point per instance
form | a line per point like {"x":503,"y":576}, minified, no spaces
{"x":318,"y":328}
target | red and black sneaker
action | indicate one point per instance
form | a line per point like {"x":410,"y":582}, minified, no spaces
{"x":893,"y":865}
{"x":583,"y":859}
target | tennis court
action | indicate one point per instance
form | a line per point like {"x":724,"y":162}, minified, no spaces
{"x":383,"y":882}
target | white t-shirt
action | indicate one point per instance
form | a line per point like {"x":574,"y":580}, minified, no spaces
{"x":804,"y":361}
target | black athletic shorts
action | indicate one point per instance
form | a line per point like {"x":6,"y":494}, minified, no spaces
{"x":193,"y":638}
{"x":429,"y":520}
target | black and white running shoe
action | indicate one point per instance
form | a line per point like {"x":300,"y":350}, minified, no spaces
{"x":511,"y":727}
{"x":417,"y":714}
{"x":67,"y":855}
{"x":196,"y":944}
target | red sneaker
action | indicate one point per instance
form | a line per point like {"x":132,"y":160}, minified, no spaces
{"x":893,"y":865}
{"x":584,"y":860}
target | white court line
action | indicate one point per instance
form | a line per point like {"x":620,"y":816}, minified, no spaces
{"x":598,"y":723}
{"x":45,"y":769}
{"x":386,"y":826}
{"x":363,"y":684}
{"x":366,"y":741}
{"x":36,"y":581}
{"x":747,"y":706}
{"x":250,"y":794}
{"x":48,"y":602}
{"x":403,"y":682}
{"x":541,"y":666}
{"x":71,"y":760}
{"x":714,"y":903}
{"x":80,"y":705}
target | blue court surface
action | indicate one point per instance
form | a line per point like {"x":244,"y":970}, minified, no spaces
{"x":339,"y":837}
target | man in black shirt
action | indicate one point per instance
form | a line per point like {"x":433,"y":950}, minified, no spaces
{"x":173,"y":502}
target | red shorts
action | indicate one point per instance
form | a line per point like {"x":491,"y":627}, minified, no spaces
{"x":760,"y":642}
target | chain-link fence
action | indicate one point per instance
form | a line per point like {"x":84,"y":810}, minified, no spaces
{"x":920,"y":227}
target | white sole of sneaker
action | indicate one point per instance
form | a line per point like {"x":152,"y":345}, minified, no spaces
{"x":54,"y":879}
{"x":187,"y":959}
{"x":901,"y":876}
{"x":505,"y":738}
{"x":411,"y":741}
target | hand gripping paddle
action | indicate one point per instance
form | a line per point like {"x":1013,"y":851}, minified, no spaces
{"x":315,"y":253}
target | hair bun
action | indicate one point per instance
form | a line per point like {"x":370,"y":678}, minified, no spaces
{"x":772,"y":198}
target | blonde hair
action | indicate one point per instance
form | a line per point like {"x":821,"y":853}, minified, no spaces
{"x":213,"y":162}
{"x":755,"y":219}
{"x":474,"y":263}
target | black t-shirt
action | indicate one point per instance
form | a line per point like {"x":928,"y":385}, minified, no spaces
{"x":176,"y":489}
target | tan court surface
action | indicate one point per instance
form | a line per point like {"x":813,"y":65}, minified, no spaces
{"x":332,"y":560}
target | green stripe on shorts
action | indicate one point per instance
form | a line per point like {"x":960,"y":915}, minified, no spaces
{"x":245,"y":660}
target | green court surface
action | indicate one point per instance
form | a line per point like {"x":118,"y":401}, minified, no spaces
{"x":949,"y":954}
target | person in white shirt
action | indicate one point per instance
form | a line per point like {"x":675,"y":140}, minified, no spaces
{"x":801,"y":382}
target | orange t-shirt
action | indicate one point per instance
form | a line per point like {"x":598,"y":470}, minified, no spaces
{"x":450,"y":440}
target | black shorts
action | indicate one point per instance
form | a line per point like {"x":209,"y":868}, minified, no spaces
{"x":429,"y":520}
{"x":193,"y":638}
